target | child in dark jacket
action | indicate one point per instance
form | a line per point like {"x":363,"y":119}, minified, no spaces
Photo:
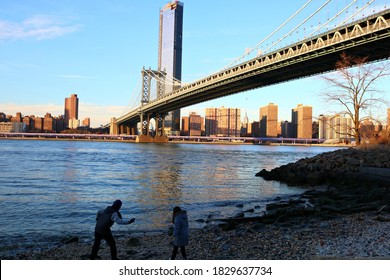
{"x":105,"y":218}
{"x":180,"y":232}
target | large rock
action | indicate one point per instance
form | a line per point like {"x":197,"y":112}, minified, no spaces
{"x":329,"y":167}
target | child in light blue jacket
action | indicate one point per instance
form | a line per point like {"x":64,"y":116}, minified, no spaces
{"x":180,"y":232}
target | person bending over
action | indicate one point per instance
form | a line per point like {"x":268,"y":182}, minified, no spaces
{"x":105,"y":218}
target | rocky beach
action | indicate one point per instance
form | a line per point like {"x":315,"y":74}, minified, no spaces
{"x":344,"y":214}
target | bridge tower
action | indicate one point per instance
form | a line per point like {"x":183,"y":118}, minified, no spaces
{"x":147,"y":77}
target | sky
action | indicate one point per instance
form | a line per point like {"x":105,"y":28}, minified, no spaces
{"x":97,"y":49}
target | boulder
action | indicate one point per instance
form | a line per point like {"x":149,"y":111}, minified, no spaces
{"x":133,"y":242}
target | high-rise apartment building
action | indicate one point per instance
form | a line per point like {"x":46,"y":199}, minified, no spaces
{"x":87,"y":122}
{"x":223,"y":121}
{"x":17,"y":118}
{"x":29,"y":122}
{"x":196,"y":124}
{"x":229,"y":123}
{"x":71,"y":108}
{"x":302,"y":122}
{"x":255,"y":129}
{"x":211,"y":121}
{"x":73,"y":123}
{"x":269,"y":120}
{"x":335,"y":127}
{"x":38,"y":124}
{"x":286,"y":129}
{"x":185,"y":126}
{"x":170,"y":52}
{"x":193,"y":125}
{"x":49,"y":124}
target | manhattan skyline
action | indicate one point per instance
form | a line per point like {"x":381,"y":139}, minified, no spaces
{"x":97,"y":50}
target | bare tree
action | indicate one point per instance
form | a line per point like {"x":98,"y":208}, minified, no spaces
{"x":353,"y":87}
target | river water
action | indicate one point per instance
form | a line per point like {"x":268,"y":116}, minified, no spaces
{"x":50,"y":190}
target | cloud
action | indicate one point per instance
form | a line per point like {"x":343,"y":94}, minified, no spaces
{"x":39,"y":27}
{"x":99,"y":114}
{"x":27,"y":110}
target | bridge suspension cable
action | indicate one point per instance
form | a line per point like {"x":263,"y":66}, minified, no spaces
{"x":171,"y":81}
{"x":134,"y":102}
{"x":345,"y":9}
{"x":269,"y":36}
{"x":356,"y":13}
{"x":299,"y":25}
{"x":331,"y":19}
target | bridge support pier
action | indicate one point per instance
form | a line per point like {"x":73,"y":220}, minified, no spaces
{"x":160,"y":125}
{"x":146,"y":136}
{"x":123,"y":129}
{"x":114,"y":129}
{"x":150,"y":139}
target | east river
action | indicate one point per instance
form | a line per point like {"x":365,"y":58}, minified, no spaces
{"x":51,"y":190}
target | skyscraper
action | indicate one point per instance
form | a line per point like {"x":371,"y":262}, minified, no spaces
{"x":229,"y":122}
{"x":223,"y":121}
{"x":302,"y":121}
{"x":170,"y":52}
{"x":196,"y":124}
{"x":335,"y":127}
{"x":269,"y":120}
{"x":71,"y":108}
{"x":193,"y":125}
{"x":185,"y":126}
{"x":211,"y":121}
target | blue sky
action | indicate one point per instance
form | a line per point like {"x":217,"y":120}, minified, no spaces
{"x":96,"y":49}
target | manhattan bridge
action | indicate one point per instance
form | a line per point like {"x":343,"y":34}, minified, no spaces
{"x":360,"y":28}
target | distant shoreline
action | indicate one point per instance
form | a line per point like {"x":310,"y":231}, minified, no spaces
{"x":262,"y":144}
{"x":65,"y":139}
{"x":174,"y":142}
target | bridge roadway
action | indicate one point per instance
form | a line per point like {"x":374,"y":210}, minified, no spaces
{"x":367,"y":37}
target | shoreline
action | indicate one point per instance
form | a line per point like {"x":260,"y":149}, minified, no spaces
{"x":350,"y":221}
{"x":346,"y":218}
{"x":355,"y":236}
{"x":65,"y":139}
{"x":177,"y":142}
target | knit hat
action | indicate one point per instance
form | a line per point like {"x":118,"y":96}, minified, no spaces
{"x":117,"y":204}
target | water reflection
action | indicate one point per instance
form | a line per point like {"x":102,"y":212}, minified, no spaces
{"x":59,"y":187}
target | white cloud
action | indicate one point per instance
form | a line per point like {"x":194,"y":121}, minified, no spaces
{"x":28,"y":110}
{"x":39,"y":27}
{"x":99,"y":114}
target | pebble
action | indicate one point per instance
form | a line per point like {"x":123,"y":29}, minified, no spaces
{"x":354,"y":236}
